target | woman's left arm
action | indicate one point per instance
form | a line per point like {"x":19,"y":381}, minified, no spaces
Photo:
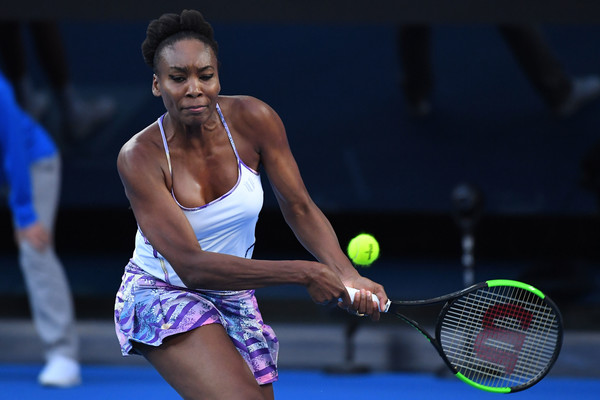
{"x":311,"y":227}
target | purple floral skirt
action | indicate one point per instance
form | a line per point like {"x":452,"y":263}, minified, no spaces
{"x":147,"y":310}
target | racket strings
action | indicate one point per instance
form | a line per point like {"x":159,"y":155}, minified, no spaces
{"x":500,"y":336}
{"x":498,"y":346}
{"x":501,"y":347}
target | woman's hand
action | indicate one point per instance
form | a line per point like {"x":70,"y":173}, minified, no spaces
{"x":324,"y":286}
{"x":363,"y":303}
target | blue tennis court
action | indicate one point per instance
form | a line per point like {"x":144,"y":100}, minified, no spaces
{"x":104,"y":382}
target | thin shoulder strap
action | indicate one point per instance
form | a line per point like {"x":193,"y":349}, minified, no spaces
{"x":228,"y":132}
{"x":164,"y":139}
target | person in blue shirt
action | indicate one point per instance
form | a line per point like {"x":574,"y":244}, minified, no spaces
{"x":31,"y":176}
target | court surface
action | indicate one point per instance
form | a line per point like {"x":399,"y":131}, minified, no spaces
{"x":18,"y":381}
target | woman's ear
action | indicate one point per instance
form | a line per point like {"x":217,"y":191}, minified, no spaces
{"x":155,"y":86}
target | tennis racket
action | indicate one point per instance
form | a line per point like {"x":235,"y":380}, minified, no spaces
{"x":500,"y":336}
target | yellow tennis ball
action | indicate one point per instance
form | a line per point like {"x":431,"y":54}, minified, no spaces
{"x":363,"y":249}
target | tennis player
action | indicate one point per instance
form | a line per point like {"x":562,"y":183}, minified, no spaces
{"x":187,"y":301}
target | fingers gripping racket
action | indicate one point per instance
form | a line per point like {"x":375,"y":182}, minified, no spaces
{"x":500,"y":336}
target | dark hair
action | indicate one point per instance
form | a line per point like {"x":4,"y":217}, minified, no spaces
{"x":170,"y":28}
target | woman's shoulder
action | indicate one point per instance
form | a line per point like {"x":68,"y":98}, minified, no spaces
{"x":246,"y":110}
{"x":142,"y":144}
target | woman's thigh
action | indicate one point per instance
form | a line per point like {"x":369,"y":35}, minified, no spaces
{"x":204,"y":364}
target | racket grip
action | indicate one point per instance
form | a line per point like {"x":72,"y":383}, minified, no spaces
{"x":385,"y":308}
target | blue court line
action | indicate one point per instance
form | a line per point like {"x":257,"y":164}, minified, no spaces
{"x":104,"y":382}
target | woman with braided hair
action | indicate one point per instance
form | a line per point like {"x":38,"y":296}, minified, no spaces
{"x":187,"y":301}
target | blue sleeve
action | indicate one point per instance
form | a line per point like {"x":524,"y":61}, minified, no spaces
{"x":16,"y":161}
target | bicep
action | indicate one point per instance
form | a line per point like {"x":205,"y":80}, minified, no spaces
{"x":265,"y":133}
{"x":160,"y":219}
{"x":282,"y":169}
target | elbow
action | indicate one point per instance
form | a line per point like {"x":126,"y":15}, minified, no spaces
{"x":190,"y":279}
{"x":189,"y":268}
{"x":297,"y":210}
{"x":195,"y":278}
{"x":201,"y":270}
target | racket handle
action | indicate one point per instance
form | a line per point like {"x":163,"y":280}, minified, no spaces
{"x":352,"y":292}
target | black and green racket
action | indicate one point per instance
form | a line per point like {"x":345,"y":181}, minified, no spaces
{"x":501,"y":336}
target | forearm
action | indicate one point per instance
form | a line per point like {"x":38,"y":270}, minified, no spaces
{"x":314,"y":231}
{"x":217,"y":271}
{"x":17,"y":175}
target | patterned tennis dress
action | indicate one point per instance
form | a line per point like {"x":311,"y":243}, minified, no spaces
{"x":153,"y":302}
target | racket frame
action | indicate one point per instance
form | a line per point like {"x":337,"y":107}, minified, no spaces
{"x":394,"y":308}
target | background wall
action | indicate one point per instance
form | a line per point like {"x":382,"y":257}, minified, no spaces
{"x":337,"y":89}
{"x":369,"y":166}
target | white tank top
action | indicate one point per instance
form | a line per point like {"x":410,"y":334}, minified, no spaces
{"x":225,"y":225}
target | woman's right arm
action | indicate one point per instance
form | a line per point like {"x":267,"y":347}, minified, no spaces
{"x":165,"y":226}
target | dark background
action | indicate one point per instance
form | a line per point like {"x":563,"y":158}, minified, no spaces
{"x":333,"y":76}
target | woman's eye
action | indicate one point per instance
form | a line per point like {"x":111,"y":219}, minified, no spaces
{"x":207,"y":77}
{"x":177,"y":78}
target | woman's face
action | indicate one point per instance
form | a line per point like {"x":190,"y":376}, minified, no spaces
{"x":187,"y":80}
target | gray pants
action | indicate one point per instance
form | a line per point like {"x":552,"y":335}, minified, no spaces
{"x":47,"y":286}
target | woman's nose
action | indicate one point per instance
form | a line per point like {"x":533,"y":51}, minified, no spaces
{"x":194,"y":87}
